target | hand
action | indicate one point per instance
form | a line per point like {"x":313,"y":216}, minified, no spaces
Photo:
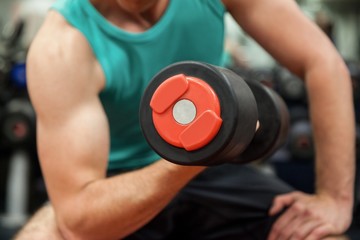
{"x":309,"y":216}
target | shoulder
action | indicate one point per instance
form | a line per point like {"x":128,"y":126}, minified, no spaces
{"x":59,"y":48}
{"x":61,"y":69}
{"x":57,"y":37}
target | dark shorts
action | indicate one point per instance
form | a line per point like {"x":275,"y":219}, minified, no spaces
{"x":223,"y":202}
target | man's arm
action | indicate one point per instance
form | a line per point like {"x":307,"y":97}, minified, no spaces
{"x":281,"y":28}
{"x":73,"y":143}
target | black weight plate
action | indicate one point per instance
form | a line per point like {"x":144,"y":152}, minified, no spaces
{"x":274,"y":124}
{"x":298,"y":113}
{"x":301,"y":144}
{"x":239,"y":120}
{"x":290,"y":87}
{"x":17,"y":126}
{"x":16,"y":129}
{"x":236,"y":145}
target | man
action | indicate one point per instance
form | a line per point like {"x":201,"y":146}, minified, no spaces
{"x":88,"y":66}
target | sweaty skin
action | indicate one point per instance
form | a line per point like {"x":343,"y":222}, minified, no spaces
{"x":87,"y":205}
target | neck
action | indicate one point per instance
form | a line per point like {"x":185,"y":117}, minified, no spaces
{"x":131,"y":21}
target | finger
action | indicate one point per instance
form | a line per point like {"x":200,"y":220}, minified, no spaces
{"x":280,"y":223}
{"x":291,"y":226}
{"x":302,"y":224}
{"x":280,"y":202}
{"x":320,"y":232}
{"x":305,"y":228}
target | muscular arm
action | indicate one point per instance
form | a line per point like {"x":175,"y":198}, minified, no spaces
{"x":281,"y":28}
{"x":73,"y":144}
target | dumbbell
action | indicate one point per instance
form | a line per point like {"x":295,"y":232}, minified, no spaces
{"x":301,"y":143}
{"x":17,"y":127}
{"x":195,"y":113}
{"x":265,"y":76}
{"x":290,"y":87}
{"x":298,"y":113}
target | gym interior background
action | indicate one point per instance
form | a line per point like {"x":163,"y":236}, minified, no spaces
{"x":22,"y":188}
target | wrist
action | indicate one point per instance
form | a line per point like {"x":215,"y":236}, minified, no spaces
{"x":343,"y":205}
{"x":335,"y":177}
{"x":341,"y":190}
{"x":172,"y":167}
{"x":342,"y":198}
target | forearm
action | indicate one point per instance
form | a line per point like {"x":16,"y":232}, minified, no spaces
{"x":332,"y":113}
{"x":115,"y":207}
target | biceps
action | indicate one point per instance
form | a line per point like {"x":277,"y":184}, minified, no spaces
{"x":73,"y":150}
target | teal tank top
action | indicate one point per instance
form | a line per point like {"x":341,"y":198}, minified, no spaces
{"x":188,"y":30}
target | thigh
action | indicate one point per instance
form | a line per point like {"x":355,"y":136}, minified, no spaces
{"x":244,"y":189}
{"x":223,"y":202}
{"x":230,"y":202}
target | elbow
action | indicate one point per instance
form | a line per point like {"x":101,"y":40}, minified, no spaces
{"x":342,"y":74}
{"x":329,"y":65}
{"x":69,"y":232}
{"x":341,"y":66}
{"x":73,"y":226}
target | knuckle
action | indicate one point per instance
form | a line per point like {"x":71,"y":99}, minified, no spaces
{"x":285,"y":233}
{"x":308,"y":213}
{"x":318,"y":233}
{"x":298,"y":207}
{"x":275,"y":229}
{"x":298,"y":235}
{"x":317,"y":217}
{"x":280,"y":235}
